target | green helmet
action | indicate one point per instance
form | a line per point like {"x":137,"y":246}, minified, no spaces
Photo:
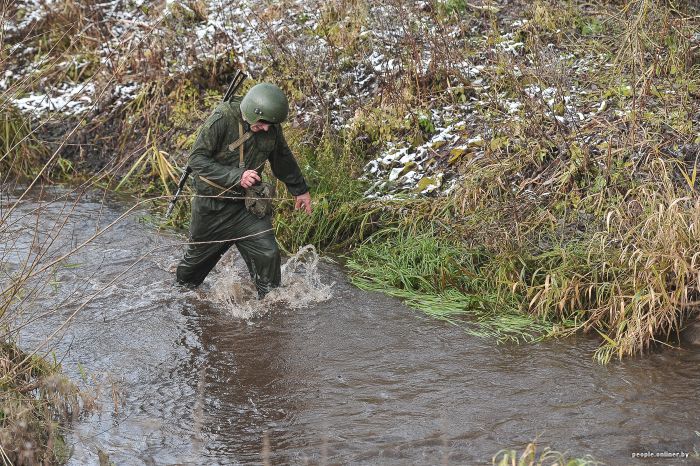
{"x":266,"y":102}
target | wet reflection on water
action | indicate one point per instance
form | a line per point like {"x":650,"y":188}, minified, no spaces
{"x":358,"y":378}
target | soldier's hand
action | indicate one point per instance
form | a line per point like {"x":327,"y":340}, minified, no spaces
{"x":249,"y":178}
{"x":303,"y":201}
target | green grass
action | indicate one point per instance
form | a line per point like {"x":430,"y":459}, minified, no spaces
{"x":530,"y":456}
{"x":446,"y":281}
{"x":21,"y":153}
{"x":341,"y":217}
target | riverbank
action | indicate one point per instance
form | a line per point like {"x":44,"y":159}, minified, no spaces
{"x":36,"y":404}
{"x":521,"y":169}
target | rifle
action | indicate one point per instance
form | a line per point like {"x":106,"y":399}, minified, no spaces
{"x":236,"y":82}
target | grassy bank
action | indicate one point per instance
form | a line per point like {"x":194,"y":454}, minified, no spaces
{"x":36,"y":403}
{"x":567,"y":173}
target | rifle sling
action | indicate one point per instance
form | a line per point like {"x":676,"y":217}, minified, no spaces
{"x":238,"y":143}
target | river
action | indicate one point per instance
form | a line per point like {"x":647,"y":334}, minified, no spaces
{"x":357,"y":378}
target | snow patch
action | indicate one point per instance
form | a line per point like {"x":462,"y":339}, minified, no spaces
{"x":76,"y":99}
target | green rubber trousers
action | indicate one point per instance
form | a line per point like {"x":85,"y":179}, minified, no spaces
{"x":217,"y":225}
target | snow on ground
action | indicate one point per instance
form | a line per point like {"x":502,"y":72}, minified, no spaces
{"x":389,"y":41}
{"x":69,"y":99}
{"x":133,"y":23}
{"x":406,"y":170}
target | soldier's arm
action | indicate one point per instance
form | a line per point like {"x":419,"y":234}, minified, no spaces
{"x":209,"y":142}
{"x":285,"y":168}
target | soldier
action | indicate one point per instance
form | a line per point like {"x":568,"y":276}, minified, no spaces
{"x":228,"y":157}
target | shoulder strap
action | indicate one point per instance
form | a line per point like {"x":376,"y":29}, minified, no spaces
{"x":238,"y":143}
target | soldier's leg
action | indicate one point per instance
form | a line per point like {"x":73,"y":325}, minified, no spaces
{"x":260,"y":252}
{"x":198,"y":261}
{"x":212,"y":220}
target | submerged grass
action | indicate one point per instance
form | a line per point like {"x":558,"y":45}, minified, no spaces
{"x":445,"y":280}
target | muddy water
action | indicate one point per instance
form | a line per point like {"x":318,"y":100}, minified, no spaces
{"x":357,"y":378}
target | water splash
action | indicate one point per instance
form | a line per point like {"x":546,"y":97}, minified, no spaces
{"x":301,"y":286}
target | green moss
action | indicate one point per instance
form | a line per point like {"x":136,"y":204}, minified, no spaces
{"x":426,"y":182}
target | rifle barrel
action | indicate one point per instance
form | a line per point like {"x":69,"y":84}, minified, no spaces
{"x":180,"y":185}
{"x":235,"y":82}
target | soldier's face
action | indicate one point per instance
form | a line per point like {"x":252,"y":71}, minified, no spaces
{"x":259,"y":126}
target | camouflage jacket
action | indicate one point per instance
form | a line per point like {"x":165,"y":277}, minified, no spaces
{"x":212,"y":160}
